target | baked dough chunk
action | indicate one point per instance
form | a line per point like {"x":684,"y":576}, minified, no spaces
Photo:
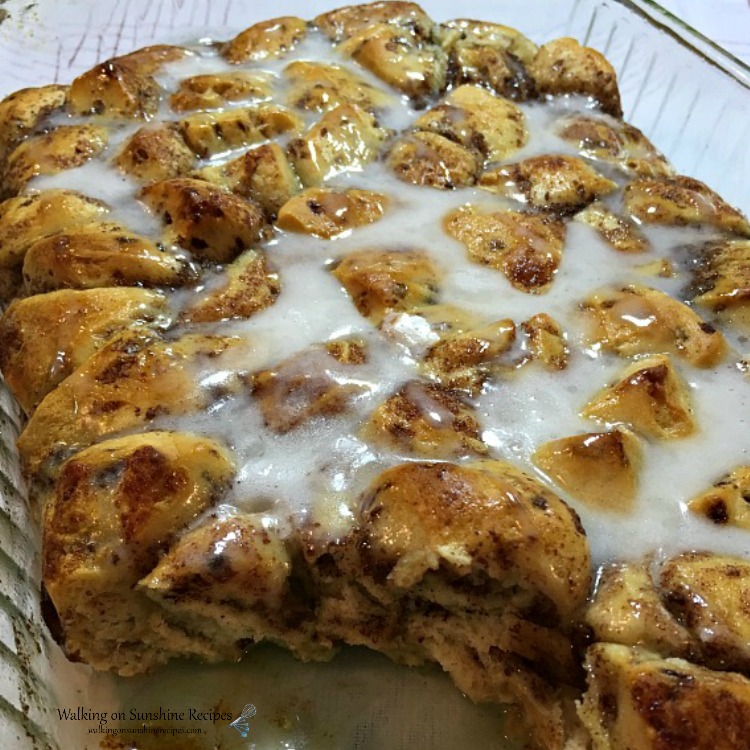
{"x":433,"y":160}
{"x":562,"y":184}
{"x":344,"y":23}
{"x":563,"y":66}
{"x":722,"y":280}
{"x":421,"y":518}
{"x":615,"y":142}
{"x":28,"y":218}
{"x":150,"y":60}
{"x":114,"y":89}
{"x":77,"y":324}
{"x":101,"y":255}
{"x":478,"y":120}
{"x":650,"y":397}
{"x":465,"y":358}
{"x":23,"y":111}
{"x":215,"y":90}
{"x":526,"y":248}
{"x":708,"y":594}
{"x":640,"y":320}
{"x":326,"y":213}
{"x":156,"y":153}
{"x":728,"y":501}
{"x":114,"y":508}
{"x":344,"y":139}
{"x":65,"y":147}
{"x":491,"y":55}
{"x":680,"y":201}
{"x":546,"y":341}
{"x":628,"y":609}
{"x":399,"y":56}
{"x":619,"y":232}
{"x":637,"y":700}
{"x":304,"y":387}
{"x":426,"y":420}
{"x":247,"y":286}
{"x":692,"y":606}
{"x":262,"y":174}
{"x":265,"y":40}
{"x":598,"y":468}
{"x":211,"y":133}
{"x":210,"y":222}
{"x":319,"y":88}
{"x":130,"y":381}
{"x":236,"y":581}
{"x":446,"y":560}
{"x":381,"y":281}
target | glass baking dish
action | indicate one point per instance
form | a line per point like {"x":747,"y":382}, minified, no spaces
{"x":689,"y":96}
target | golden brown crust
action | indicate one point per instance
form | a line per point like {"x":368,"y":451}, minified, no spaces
{"x":640,"y":320}
{"x":547,"y":342}
{"x":728,"y":501}
{"x":709,"y":595}
{"x":562,"y":184}
{"x":112,"y":511}
{"x":212,"y":133}
{"x":381,"y":281}
{"x":345,"y":22}
{"x":82,"y":322}
{"x":215,"y":90}
{"x":101,"y":255}
{"x":426,"y":420}
{"x":345,"y":138}
{"x":262,"y":174}
{"x":721,"y":280}
{"x":26,"y":219}
{"x":693,"y":606}
{"x":114,"y":89}
{"x":264,"y":40}
{"x":129,"y":382}
{"x":680,"y":201}
{"x":433,"y":160}
{"x":249,"y":286}
{"x":465,"y":358}
{"x":491,"y":55}
{"x":650,"y":397}
{"x":204,"y":219}
{"x":599,"y":468}
{"x":615,"y":142}
{"x":637,"y":700}
{"x":23,"y":111}
{"x":618,"y":231}
{"x":420,"y":517}
{"x":469,"y":563}
{"x":400,"y":57}
{"x":151,"y":59}
{"x":526,"y":248}
{"x":319,"y":88}
{"x":628,"y":609}
{"x":155,"y":153}
{"x":563,"y":66}
{"x":490,"y":125}
{"x":65,"y":147}
{"x":325,"y":213}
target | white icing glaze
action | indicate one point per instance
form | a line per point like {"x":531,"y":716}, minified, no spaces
{"x":316,"y":472}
